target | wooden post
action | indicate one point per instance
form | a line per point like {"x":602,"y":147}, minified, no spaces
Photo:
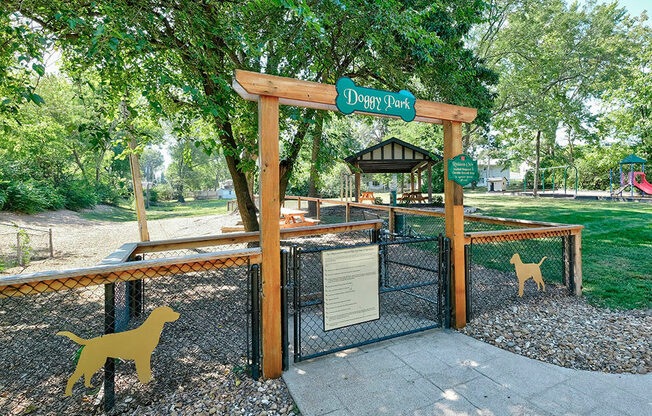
{"x":430,"y":182}
{"x":138,"y":193}
{"x":357,"y":187}
{"x":298,"y":203}
{"x":341,"y":187}
{"x":318,"y":209}
{"x":411,"y":181}
{"x":454,"y":214}
{"x":51,"y":245}
{"x":270,"y":235}
{"x":347,"y":215}
{"x":419,"y":180}
{"x":392,"y":220}
{"x":577,"y":266}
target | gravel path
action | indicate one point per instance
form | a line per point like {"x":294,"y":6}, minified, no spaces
{"x":81,"y":243}
{"x":567,"y":331}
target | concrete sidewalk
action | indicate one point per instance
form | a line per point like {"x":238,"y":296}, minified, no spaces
{"x":442,"y":372}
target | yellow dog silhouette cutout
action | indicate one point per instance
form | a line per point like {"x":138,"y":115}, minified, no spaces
{"x":526,"y":270}
{"x":136,"y":344}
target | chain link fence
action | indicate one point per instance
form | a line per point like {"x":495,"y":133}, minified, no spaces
{"x":411,"y":289}
{"x":208,"y":344}
{"x":20,"y":245}
{"x":502,"y":268}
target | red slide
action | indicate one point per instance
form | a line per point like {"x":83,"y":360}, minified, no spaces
{"x":644,"y":185}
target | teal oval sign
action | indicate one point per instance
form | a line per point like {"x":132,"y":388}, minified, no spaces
{"x":351,"y":98}
{"x":462,"y":169}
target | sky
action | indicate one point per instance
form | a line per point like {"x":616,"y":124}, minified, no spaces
{"x":635,"y":7}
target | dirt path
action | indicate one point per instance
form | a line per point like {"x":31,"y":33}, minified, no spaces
{"x":81,"y":243}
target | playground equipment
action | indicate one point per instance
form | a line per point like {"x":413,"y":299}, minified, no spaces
{"x":553,"y":169}
{"x":643,"y":185}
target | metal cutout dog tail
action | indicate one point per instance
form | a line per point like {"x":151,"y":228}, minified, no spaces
{"x":544,"y":257}
{"x":73,"y":337}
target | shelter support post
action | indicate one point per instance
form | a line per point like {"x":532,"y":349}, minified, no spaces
{"x":454,"y":215}
{"x":412,"y":181}
{"x":419,"y":180}
{"x":270,"y":234}
{"x":430,"y":183}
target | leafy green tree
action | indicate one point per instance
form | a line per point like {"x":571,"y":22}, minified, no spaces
{"x":151,"y":160}
{"x":181,"y":57}
{"x":554,"y":59}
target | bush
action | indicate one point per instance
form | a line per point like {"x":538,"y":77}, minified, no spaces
{"x":164,"y":192}
{"x":30,"y":196}
{"x":106,"y":194}
{"x":78,"y":194}
{"x":153,"y":195}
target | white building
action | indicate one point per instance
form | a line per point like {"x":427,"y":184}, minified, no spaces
{"x":492,"y":169}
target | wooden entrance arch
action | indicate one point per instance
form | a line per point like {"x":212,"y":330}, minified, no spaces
{"x":270,"y":91}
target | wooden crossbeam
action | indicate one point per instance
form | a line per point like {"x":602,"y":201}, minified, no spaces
{"x":290,"y":91}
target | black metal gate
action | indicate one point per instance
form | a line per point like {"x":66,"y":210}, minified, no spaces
{"x":413,"y":295}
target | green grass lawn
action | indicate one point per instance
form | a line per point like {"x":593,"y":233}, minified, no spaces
{"x":616,"y":242}
{"x":161,"y":210}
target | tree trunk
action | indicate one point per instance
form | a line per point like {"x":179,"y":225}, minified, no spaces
{"x":570,"y":146}
{"x":466,"y":139}
{"x":314,"y":168}
{"x":182,"y":165}
{"x":246,"y":204}
{"x":287,"y":164}
{"x":536,"y":163}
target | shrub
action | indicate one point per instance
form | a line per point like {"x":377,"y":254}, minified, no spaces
{"x":78,"y":194}
{"x":27,"y":196}
{"x":106,"y":194}
{"x":153,"y":195}
{"x":163,"y":192}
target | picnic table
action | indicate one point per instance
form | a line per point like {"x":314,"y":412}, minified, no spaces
{"x":413,"y":197}
{"x":289,"y":218}
{"x":367,"y":196}
{"x":293,"y":216}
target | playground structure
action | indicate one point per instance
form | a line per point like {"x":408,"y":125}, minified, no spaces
{"x":631,"y":179}
{"x":554,"y":170}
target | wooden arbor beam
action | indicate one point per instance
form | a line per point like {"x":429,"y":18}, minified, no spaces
{"x":454,"y":212}
{"x":290,"y":91}
{"x":270,"y":91}
{"x":270,"y":234}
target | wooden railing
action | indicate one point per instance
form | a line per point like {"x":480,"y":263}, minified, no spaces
{"x":51,"y":281}
{"x":118,"y":267}
{"x":511,"y":222}
{"x":527,"y":229}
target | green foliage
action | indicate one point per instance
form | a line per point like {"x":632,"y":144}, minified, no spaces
{"x":164,"y":192}
{"x":78,"y":194}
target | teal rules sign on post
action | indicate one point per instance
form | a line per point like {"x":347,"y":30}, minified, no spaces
{"x":351,"y":98}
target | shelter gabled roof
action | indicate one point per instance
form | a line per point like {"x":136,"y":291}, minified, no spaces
{"x":391,"y":156}
{"x":633,"y":159}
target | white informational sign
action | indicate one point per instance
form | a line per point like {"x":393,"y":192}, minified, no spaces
{"x":350,"y":286}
